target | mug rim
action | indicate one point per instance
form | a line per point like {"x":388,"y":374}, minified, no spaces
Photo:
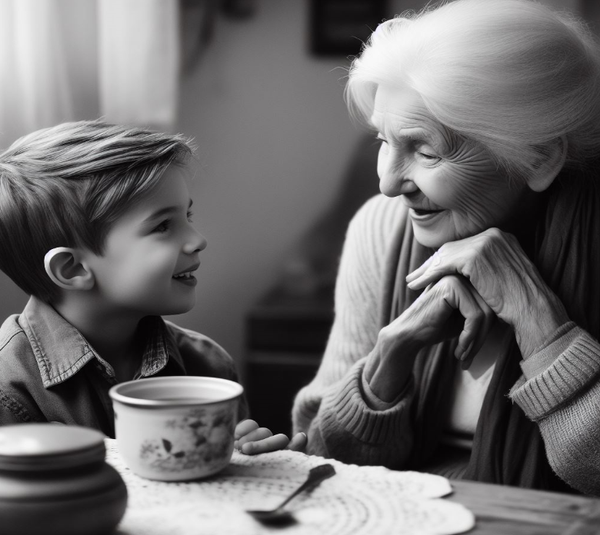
{"x":120,"y":397}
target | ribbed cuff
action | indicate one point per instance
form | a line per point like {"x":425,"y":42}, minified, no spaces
{"x":545,"y":355}
{"x":378,"y":404}
{"x":348,"y":409}
{"x":571,"y":372}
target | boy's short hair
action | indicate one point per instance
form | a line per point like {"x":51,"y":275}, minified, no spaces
{"x":65,"y":186}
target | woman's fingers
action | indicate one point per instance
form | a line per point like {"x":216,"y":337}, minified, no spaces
{"x":476,"y":328}
{"x":416,"y":278}
{"x":459,"y":294}
{"x":499,"y":270}
{"x":433,"y":269}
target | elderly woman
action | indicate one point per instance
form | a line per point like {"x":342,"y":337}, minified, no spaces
{"x":468,"y":294}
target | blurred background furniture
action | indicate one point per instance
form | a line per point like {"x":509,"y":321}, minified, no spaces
{"x":286,"y":336}
{"x":287,"y":329}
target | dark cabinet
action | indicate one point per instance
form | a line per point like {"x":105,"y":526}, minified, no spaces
{"x":286,"y":337}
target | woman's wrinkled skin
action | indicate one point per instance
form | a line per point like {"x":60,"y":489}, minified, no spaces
{"x":505,"y":278}
{"x":451,"y":185}
{"x":461,"y":204}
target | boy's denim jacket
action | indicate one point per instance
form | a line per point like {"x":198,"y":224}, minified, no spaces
{"x":49,"y":372}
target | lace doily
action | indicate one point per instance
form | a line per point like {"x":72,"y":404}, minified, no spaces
{"x":358,"y":500}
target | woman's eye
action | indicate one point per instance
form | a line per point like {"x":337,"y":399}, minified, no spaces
{"x":427,"y":157}
{"x":382,"y":139}
{"x":190,"y":215}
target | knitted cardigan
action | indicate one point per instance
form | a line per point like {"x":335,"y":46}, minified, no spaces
{"x":559,"y":388}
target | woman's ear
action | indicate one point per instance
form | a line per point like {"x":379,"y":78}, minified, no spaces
{"x":67,"y":269}
{"x":546,"y":168}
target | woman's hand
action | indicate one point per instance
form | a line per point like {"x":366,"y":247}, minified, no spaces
{"x":449,"y":307}
{"x":497,"y":267}
{"x":252,"y":439}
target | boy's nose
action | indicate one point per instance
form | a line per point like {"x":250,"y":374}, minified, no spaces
{"x":196,"y":243}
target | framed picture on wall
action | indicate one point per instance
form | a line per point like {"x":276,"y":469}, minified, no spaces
{"x":339,"y":27}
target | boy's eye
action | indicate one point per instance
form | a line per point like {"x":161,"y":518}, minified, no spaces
{"x":163,"y":226}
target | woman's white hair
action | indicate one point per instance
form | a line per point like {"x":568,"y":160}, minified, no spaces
{"x":513,"y":75}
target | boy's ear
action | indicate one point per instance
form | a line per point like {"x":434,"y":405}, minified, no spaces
{"x":547,"y":167}
{"x":66,"y":268}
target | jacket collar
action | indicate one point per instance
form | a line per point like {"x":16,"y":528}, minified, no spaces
{"x":61,"y":350}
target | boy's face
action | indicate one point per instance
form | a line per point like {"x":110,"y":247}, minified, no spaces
{"x":150,"y":253}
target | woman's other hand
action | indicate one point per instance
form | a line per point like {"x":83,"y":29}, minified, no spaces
{"x":252,"y":439}
{"x":449,"y":307}
{"x":499,"y":270}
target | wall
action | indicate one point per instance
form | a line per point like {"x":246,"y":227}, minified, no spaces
{"x":274,"y":139}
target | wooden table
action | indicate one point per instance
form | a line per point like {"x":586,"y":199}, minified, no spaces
{"x":503,"y":510}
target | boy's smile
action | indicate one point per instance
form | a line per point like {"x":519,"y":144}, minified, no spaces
{"x":151,"y":253}
{"x":187,"y":277}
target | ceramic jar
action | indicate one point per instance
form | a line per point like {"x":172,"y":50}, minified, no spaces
{"x":54,"y":481}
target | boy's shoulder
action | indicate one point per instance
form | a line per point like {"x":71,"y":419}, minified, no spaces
{"x":13,"y":338}
{"x":17,"y":361}
{"x":201,"y":354}
{"x":19,"y":368}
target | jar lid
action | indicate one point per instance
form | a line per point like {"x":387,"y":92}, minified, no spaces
{"x":48,"y":446}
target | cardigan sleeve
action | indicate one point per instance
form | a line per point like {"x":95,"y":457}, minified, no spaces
{"x":333,"y":409}
{"x":564,"y":399}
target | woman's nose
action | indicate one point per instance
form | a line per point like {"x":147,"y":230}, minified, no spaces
{"x":394,"y":174}
{"x":393,"y":184}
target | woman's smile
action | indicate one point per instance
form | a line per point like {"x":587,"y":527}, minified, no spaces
{"x":420,"y":209}
{"x":424,"y":215}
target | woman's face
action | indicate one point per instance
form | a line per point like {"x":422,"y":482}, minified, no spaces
{"x":451,"y":186}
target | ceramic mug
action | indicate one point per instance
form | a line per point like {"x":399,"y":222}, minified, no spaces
{"x":176,"y":428}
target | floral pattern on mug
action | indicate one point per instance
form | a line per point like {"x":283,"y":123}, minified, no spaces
{"x":201,"y":437}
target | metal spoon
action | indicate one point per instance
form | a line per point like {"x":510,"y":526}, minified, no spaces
{"x":279,"y":515}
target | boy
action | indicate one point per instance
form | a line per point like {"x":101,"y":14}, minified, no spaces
{"x":95,"y":225}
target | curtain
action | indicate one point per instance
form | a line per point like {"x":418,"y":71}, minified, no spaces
{"x":34,"y":89}
{"x":139,"y":61}
{"x":63,"y":60}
